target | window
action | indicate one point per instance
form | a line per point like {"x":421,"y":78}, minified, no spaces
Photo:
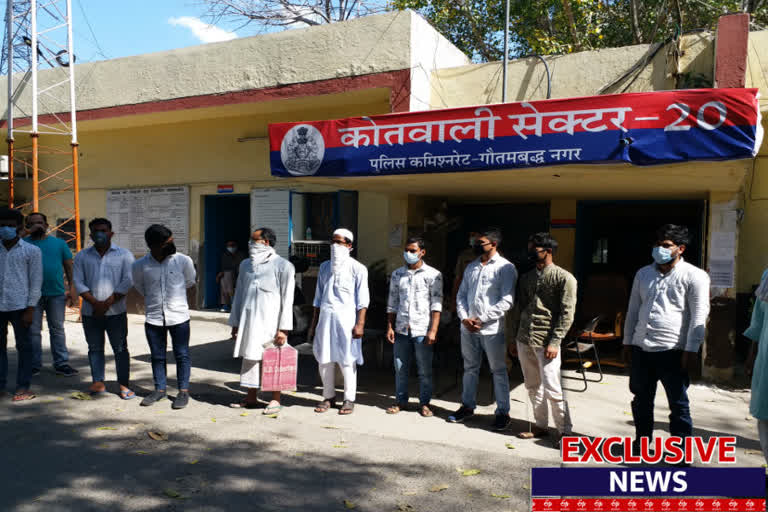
{"x":600,"y":253}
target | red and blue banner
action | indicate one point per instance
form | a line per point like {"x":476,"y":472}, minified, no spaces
{"x":639,"y":128}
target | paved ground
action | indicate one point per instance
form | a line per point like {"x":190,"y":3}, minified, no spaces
{"x":64,"y":454}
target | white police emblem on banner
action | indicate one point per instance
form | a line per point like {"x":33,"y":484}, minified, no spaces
{"x":302,"y":150}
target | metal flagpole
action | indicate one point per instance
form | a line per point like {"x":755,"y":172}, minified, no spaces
{"x":506,"y":55}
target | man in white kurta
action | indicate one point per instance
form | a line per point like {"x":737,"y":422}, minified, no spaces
{"x":341,"y":301}
{"x":262,"y":311}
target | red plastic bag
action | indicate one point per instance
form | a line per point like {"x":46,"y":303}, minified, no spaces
{"x":279,"y":367}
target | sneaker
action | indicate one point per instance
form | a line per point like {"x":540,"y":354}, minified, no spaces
{"x":501,"y":422}
{"x":182,"y":399}
{"x":153,"y":397}
{"x":462,"y":414}
{"x":35,"y":372}
{"x":66,"y":371}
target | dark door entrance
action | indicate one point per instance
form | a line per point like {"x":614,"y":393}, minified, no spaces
{"x":226,"y":217}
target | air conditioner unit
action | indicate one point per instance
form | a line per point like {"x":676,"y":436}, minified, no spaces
{"x":3,"y":167}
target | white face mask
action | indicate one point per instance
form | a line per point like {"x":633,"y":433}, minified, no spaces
{"x":259,"y":252}
{"x":231,"y":250}
{"x":339,"y":255}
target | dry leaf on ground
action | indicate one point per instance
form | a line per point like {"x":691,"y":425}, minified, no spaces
{"x":510,"y":446}
{"x":106,"y":428}
{"x":469,"y":472}
{"x":194,"y":461}
{"x":405,"y":507}
{"x":141,"y":452}
{"x":438,"y":488}
{"x":500,"y":496}
{"x":172,"y":493}
{"x":349,"y":504}
{"x":243,"y":414}
{"x":410,"y":493}
{"x":158,"y":436}
{"x":79,"y":395}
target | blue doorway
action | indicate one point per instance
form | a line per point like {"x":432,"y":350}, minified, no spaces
{"x":226,"y":217}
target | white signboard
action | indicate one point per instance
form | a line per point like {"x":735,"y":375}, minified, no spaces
{"x":271,"y":209}
{"x":133,"y":210}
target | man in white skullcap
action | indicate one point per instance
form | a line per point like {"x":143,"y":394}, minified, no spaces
{"x":341,"y":301}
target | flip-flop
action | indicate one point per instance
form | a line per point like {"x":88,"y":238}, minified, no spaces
{"x":21,"y":397}
{"x":534,"y":434}
{"x":325,"y":405}
{"x":273,"y":409}
{"x":347,"y":408}
{"x":127,"y":394}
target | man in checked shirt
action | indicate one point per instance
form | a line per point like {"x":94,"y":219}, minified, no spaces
{"x":413,"y":315}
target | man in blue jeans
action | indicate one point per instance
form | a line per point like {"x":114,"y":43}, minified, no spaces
{"x":163,"y":277}
{"x":413,"y":315}
{"x":102,"y":277}
{"x":57,"y":261}
{"x":21,"y":278}
{"x":486,"y":293}
{"x":666,"y":325}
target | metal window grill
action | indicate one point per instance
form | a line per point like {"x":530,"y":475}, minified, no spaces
{"x":315,"y":251}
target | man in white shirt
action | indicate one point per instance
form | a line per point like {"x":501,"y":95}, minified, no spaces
{"x":486,"y":293}
{"x":163,"y":277}
{"x":262,"y":312}
{"x":21,"y":281}
{"x":341,"y":301}
{"x":665,"y":327}
{"x":102,"y":276}
{"x":413,"y":315}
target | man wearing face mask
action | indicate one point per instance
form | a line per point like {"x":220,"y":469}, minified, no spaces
{"x":162,"y":277}
{"x":413,"y":315}
{"x":21,"y":280}
{"x":486,"y":293}
{"x":57,"y":263}
{"x":338,"y":324}
{"x":665,"y":327}
{"x":227,"y":277}
{"x":262,"y":312}
{"x":102,"y":276}
{"x":546,"y":303}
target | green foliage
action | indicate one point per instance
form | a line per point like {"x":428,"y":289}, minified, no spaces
{"x":544,"y":26}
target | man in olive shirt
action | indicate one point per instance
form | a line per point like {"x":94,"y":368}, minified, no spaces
{"x":546,"y":302}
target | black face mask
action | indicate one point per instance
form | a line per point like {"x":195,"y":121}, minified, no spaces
{"x":479,"y":249}
{"x":169,"y":249}
{"x":533,"y":256}
{"x":37,"y":231}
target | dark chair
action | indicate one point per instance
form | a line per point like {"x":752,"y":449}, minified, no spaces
{"x":582,"y":342}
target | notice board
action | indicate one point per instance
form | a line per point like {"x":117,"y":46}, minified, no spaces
{"x":272,"y":209}
{"x":133,"y":210}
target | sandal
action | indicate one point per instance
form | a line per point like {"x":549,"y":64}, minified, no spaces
{"x":244,"y":404}
{"x":425,"y":411}
{"x":325,"y":405}
{"x":272,"y":408}
{"x":535,"y":432}
{"x":22,"y":396}
{"x":347,"y":407}
{"x":394,"y":409}
{"x":127,"y":394}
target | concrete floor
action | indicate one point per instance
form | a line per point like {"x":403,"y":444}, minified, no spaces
{"x":64,"y":454}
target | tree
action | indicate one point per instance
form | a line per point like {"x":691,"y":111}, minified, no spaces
{"x":564,"y":26}
{"x":266,"y":14}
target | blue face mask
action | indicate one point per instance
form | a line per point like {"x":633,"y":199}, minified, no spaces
{"x":100,"y":238}
{"x":662,"y":255}
{"x":411,"y":258}
{"x":7,"y":233}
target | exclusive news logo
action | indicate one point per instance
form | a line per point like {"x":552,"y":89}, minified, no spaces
{"x":666,"y":482}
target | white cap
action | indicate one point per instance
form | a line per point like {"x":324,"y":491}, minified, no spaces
{"x":345,"y":233}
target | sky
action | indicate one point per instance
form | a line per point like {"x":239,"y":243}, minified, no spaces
{"x":111,"y":29}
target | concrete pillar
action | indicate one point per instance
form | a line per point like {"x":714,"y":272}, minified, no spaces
{"x":731,"y":49}
{"x":718,"y":360}
{"x":562,"y":218}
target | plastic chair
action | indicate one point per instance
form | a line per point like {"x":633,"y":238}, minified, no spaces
{"x":583,"y":342}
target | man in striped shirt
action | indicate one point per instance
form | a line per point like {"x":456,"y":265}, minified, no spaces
{"x":665,"y":327}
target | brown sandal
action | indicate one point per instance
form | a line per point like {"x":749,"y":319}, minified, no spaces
{"x":425,"y":411}
{"x":325,"y":405}
{"x":535,"y":432}
{"x":396,"y":408}
{"x":347,"y":407}
{"x":24,"y":395}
